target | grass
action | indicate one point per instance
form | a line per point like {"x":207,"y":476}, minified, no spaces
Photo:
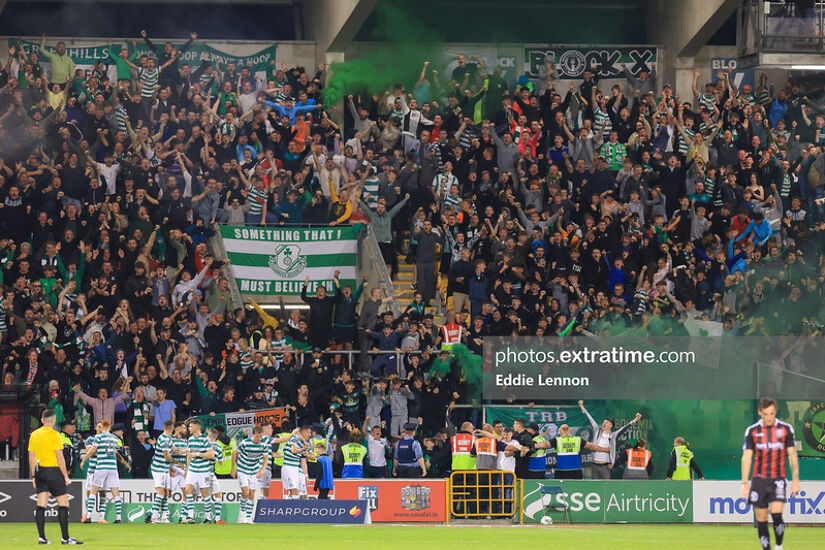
{"x":408,"y":536}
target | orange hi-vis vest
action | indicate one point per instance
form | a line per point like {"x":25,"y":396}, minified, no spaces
{"x":450,"y":335}
{"x":637,"y":459}
{"x":462,"y":445}
{"x":486,"y":455}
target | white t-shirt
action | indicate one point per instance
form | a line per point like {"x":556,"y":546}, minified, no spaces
{"x":108,"y":175}
{"x":507,"y":463}
{"x":603,"y":440}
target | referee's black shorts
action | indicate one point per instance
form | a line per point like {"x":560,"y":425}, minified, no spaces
{"x":767,"y":490}
{"x":49,"y":480}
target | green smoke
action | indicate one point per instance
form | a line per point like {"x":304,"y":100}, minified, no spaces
{"x":403,"y":43}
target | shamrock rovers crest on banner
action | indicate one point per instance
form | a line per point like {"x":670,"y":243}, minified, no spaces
{"x":287,"y":261}
{"x":814,"y":427}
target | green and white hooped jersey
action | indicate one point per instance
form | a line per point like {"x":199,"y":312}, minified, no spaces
{"x":290,"y":458}
{"x":178,"y":450}
{"x":107,"y":444}
{"x":90,"y":442}
{"x":198,"y":465}
{"x":269,"y":441}
{"x":251,"y":456}
{"x":218,"y":453}
{"x":159,"y":464}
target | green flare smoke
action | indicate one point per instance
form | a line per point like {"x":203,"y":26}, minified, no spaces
{"x":403,"y":43}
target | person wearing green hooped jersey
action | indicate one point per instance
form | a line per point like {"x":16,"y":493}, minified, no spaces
{"x":278,"y":452}
{"x":682,"y":461}
{"x":90,"y":470}
{"x":569,"y":449}
{"x":200,"y":460}
{"x":249,"y":462}
{"x":274,"y":443}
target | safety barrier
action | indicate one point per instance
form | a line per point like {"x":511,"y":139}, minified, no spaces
{"x":482,"y":494}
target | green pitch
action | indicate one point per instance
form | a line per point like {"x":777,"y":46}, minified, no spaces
{"x":423,"y":537}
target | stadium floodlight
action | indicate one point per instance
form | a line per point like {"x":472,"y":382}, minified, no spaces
{"x":808,"y":67}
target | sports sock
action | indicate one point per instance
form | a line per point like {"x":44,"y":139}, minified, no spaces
{"x":190,"y":505}
{"x":156,"y":506}
{"x":118,"y":507}
{"x":243,"y":506}
{"x":90,"y":505}
{"x":40,"y":520}
{"x":63,"y":518}
{"x":778,"y":528}
{"x":764,"y":535}
{"x":207,"y":506}
{"x":164,"y":507}
{"x":218,"y":509}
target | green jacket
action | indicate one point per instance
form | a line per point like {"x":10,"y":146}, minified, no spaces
{"x":124,"y":71}
{"x":382,"y":223}
{"x":61,"y":65}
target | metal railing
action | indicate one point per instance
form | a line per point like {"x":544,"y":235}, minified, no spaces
{"x":351,"y":363}
{"x":780,"y":27}
{"x":482,"y":494}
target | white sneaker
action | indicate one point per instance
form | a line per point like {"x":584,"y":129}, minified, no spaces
{"x":165,"y":521}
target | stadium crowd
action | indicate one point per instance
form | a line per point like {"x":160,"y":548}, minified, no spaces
{"x":582,"y":208}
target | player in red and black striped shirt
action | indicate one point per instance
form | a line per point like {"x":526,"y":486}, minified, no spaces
{"x":767,"y":444}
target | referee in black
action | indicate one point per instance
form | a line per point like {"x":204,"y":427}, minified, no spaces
{"x":49,"y":476}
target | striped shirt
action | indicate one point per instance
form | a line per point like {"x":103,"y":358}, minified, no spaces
{"x":683,"y":145}
{"x":251,"y":456}
{"x":785,"y":188}
{"x":770,"y":448}
{"x":107,"y":444}
{"x":148,"y":80}
{"x":246,"y":359}
{"x":601,"y":120}
{"x":442,"y":183}
{"x":159,"y":464}
{"x":290,"y":458}
{"x":285,"y":342}
{"x":4,"y":322}
{"x":120,"y":116}
{"x":452,"y":201}
{"x":199,"y":444}
{"x":370,"y":195}
{"x":257,"y":198}
{"x":91,"y":442}
{"x":710,"y":187}
{"x":707,"y":101}
{"x":218,"y":453}
{"x":269,"y":441}
{"x":179,"y":447}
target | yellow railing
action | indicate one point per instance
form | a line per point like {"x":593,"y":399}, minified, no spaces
{"x":482,"y":494}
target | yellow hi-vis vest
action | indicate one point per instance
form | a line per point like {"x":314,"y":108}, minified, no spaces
{"x":683,"y":458}
{"x":314,"y":440}
{"x":225,"y":467}
{"x":462,"y":444}
{"x":279,"y":460}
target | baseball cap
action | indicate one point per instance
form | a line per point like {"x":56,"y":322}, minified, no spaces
{"x":259,"y":388}
{"x":270,"y":382}
{"x":410,"y":427}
